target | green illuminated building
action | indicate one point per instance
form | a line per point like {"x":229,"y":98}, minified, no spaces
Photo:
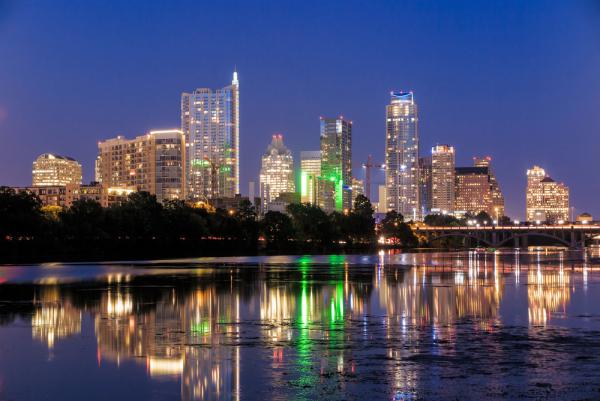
{"x":310,"y":171}
{"x":335,"y":183}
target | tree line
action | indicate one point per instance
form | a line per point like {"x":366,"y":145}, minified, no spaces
{"x":142,"y":223}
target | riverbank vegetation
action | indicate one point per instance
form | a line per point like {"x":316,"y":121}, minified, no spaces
{"x":141,"y":227}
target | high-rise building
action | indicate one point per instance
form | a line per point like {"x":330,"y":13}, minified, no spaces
{"x":497,"y":209}
{"x":154,"y":162}
{"x":425,"y":184}
{"x":358,"y":188}
{"x":211,"y":125}
{"x":310,"y":162}
{"x":476,"y":190}
{"x":402,"y":155}
{"x":382,"y":202}
{"x":310,"y":171}
{"x":335,"y":183}
{"x":277,"y":172}
{"x":546,"y":199}
{"x":442,"y":178}
{"x":52,"y":170}
{"x":252,"y":193}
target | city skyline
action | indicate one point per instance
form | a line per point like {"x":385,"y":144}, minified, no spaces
{"x":534,"y":134}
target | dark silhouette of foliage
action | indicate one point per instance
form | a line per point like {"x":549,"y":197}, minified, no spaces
{"x":394,"y":228}
{"x":84,"y":220}
{"x":311,"y":224}
{"x":143,"y":226}
{"x":182,"y":222}
{"x":441,"y":220}
{"x":277,"y":229}
{"x":21,"y":214}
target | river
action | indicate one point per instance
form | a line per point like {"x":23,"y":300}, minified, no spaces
{"x":407,"y":326}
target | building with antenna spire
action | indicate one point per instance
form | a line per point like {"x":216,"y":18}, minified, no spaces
{"x":210,"y":121}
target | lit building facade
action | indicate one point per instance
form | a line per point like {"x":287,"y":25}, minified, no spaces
{"x":51,"y":170}
{"x":402,"y":155}
{"x":442,"y":178}
{"x":335,"y":183}
{"x":277,"y":171}
{"x":51,"y":195}
{"x":358,"y":188}
{"x":310,"y":171}
{"x":65,"y":195}
{"x":154,"y":162}
{"x":425,"y":184}
{"x":497,"y":209}
{"x":546,"y":199}
{"x":382,"y":202}
{"x":477,"y":190}
{"x":211,"y":126}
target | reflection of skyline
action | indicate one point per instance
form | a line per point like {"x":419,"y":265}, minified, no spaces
{"x":548,"y":292}
{"x":54,"y":318}
{"x":307,"y":317}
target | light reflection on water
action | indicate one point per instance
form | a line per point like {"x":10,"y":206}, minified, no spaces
{"x":428,"y":325}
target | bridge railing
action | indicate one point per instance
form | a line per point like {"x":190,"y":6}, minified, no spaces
{"x":578,"y":227}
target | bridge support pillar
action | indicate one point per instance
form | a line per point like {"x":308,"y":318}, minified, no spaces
{"x":516,"y":241}
{"x":524,"y":242}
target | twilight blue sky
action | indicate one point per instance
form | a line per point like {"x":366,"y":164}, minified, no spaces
{"x":517,"y":80}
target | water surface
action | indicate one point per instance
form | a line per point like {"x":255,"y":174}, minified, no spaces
{"x":428,"y":326}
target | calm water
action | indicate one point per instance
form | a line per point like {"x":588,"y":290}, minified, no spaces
{"x":444,"y":326}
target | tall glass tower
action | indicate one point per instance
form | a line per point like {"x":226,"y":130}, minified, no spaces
{"x":277,"y":171}
{"x":335,"y":183}
{"x":211,"y":125}
{"x":402,"y":155}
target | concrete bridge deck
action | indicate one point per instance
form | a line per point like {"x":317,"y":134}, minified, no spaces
{"x":571,"y":235}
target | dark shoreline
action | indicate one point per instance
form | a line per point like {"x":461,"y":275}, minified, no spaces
{"x":21,"y":252}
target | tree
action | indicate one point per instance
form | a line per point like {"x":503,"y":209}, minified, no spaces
{"x":441,"y":220}
{"x":278,"y":229}
{"x":483,"y":218}
{"x":361,"y":225}
{"x":84,"y":220}
{"x":20,"y":214}
{"x":248,"y":224}
{"x":182,"y":222}
{"x":140,"y":217}
{"x":311,"y":223}
{"x":394,"y":228}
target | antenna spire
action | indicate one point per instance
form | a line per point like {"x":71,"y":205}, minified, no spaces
{"x":235,"y":76}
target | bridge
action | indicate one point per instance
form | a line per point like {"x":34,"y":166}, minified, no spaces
{"x":571,"y":235}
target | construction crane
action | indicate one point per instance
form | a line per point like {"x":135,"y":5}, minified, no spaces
{"x":368,"y":166}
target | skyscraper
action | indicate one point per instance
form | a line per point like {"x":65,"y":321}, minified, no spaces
{"x":211,"y":125}
{"x":277,"y":172}
{"x":497,"y":208}
{"x":154,"y":162}
{"x":477,"y":190}
{"x":425,"y":184}
{"x":335,"y":183}
{"x":442,"y":178}
{"x":382,"y":202}
{"x":546,"y":199}
{"x":49,"y":170}
{"x":310,"y":171}
{"x":402,"y":155}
